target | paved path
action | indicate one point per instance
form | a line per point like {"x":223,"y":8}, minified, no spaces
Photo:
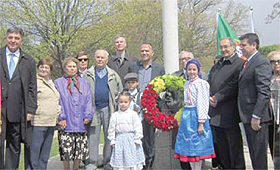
{"x":56,"y":164}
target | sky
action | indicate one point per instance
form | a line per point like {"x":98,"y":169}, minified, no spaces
{"x":269,"y":33}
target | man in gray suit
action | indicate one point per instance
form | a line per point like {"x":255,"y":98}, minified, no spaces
{"x":253,"y":98}
{"x":121,"y":60}
{"x":147,"y":70}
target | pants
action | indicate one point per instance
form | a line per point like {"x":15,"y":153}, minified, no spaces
{"x":103,"y":118}
{"x":148,"y":143}
{"x":274,"y":144}
{"x":42,"y":138}
{"x":230,"y":147}
{"x":257,"y":142}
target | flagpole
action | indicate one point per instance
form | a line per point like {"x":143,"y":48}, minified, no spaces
{"x":252,"y":20}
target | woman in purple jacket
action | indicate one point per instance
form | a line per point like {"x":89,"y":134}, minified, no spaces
{"x":76,"y":111}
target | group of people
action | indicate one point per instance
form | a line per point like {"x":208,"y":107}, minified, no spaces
{"x":107,"y":96}
{"x":79,"y":104}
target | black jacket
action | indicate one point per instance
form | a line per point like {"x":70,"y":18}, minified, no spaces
{"x":27,"y":77}
{"x":223,"y":80}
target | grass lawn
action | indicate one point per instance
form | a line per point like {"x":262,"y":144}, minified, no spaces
{"x":54,"y":150}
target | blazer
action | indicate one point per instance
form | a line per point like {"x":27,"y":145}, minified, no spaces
{"x":254,"y":91}
{"x":223,"y":80}
{"x":27,"y":73}
{"x":157,"y":70}
{"x":122,"y":70}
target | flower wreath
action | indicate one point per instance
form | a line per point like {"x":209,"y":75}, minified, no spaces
{"x":151,"y":113}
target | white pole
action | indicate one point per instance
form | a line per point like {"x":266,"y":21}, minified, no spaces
{"x":252,"y":21}
{"x":170,"y":35}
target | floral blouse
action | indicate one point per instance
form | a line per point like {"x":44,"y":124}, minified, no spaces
{"x":196,"y":93}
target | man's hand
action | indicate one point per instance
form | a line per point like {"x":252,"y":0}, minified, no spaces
{"x":29,"y":116}
{"x":255,"y":124}
{"x":213,"y":101}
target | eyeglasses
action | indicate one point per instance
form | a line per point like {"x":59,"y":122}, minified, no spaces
{"x":274,"y":61}
{"x":184,"y":59}
{"x":83,"y":59}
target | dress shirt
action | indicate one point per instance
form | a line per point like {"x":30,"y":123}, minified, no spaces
{"x":101,"y":72}
{"x":145,"y":75}
{"x":16,"y":58}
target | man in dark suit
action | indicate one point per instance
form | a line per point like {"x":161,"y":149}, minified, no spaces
{"x":253,"y":98}
{"x":147,"y":70}
{"x":223,"y":80}
{"x":19,"y":96}
{"x":121,"y":60}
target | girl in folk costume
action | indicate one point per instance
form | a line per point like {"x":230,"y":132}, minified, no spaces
{"x":125,"y":133}
{"x":194,"y":140}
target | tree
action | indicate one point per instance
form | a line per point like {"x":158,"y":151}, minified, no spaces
{"x":52,"y":24}
{"x":267,"y":49}
{"x":274,"y":14}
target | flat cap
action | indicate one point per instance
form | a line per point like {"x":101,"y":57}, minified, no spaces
{"x":130,"y":76}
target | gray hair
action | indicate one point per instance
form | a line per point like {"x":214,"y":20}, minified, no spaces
{"x":186,"y":52}
{"x":16,"y":30}
{"x":101,"y":50}
{"x":231,"y":41}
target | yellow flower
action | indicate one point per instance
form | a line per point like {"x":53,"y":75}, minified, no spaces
{"x":158,"y":85}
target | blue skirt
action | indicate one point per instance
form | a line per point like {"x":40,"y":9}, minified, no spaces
{"x":188,"y":141}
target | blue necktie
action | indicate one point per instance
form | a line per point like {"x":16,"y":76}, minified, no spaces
{"x":12,"y":65}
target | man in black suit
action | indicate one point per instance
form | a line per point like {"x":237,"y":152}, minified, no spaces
{"x":121,"y":60}
{"x":253,"y":98}
{"x":223,"y":80}
{"x":19,"y":96}
{"x":147,"y":70}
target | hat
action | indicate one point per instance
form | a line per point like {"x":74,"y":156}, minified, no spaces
{"x":130,"y":76}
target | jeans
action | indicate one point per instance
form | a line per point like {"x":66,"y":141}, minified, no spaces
{"x":41,"y":146}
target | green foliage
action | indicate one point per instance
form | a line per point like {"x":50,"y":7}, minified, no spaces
{"x":267,"y":49}
{"x":61,"y":28}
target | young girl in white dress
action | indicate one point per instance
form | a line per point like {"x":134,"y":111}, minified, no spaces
{"x":194,"y":140}
{"x":125,"y":133}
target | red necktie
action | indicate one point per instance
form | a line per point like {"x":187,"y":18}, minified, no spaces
{"x":245,"y":64}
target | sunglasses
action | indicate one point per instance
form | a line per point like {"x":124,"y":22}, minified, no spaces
{"x":274,"y":61}
{"x":83,"y":59}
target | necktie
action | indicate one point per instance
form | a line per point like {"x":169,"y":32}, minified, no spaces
{"x":12,"y":65}
{"x":119,"y":61}
{"x":245,"y":64}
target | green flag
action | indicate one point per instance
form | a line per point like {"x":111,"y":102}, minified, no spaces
{"x":224,"y":30}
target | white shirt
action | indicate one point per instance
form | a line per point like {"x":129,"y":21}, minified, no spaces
{"x":127,"y":121}
{"x":8,"y":52}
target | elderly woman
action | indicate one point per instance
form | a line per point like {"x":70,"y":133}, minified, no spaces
{"x":76,"y":111}
{"x":45,"y":118}
{"x":274,"y":137}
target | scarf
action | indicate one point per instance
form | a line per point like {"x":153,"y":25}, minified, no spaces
{"x":73,"y":81}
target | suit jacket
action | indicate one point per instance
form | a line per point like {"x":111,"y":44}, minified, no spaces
{"x":27,"y":74}
{"x":254,"y":91}
{"x":180,"y":73}
{"x":122,"y":70}
{"x":157,"y":70}
{"x":223,"y":80}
